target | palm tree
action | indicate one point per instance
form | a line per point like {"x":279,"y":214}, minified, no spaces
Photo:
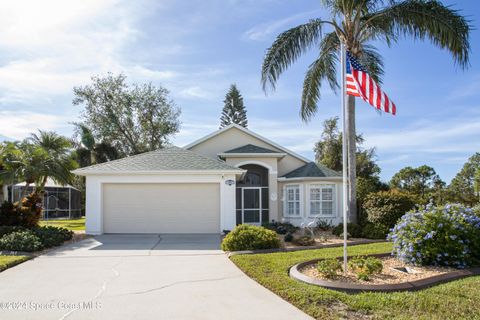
{"x":90,"y":152}
{"x":57,"y":162}
{"x":356,"y":24}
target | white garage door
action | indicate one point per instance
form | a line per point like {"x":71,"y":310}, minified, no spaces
{"x":161,"y":208}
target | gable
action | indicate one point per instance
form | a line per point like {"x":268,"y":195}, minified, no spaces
{"x":233,"y":137}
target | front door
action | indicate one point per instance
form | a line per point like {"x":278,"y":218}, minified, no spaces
{"x":251,"y":205}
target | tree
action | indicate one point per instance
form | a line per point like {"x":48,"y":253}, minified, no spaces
{"x":233,"y":111}
{"x":89,"y":152}
{"x":328,"y":152}
{"x":421,"y":181}
{"x":6,"y":176}
{"x":35,"y":159}
{"x":357,"y":24}
{"x":439,"y":191}
{"x":132,"y":118}
{"x":461,"y":189}
{"x":58,"y":162}
{"x":476,"y":183}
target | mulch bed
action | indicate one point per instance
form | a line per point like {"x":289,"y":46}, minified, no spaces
{"x":388,"y":275}
{"x":380,"y":284}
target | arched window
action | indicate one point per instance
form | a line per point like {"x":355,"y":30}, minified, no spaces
{"x":256,"y":176}
{"x":252,"y":179}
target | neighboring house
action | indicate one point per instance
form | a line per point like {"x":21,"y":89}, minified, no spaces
{"x":229,"y":177}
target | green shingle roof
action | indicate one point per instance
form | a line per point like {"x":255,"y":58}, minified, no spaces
{"x":167,"y":159}
{"x":250,"y":148}
{"x":311,"y":169}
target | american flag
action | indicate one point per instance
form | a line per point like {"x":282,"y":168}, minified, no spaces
{"x":360,"y":84}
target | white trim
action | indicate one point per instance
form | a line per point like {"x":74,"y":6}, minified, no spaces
{"x":300,"y":202}
{"x":81,"y":172}
{"x":213,"y":134}
{"x":252,"y":155}
{"x":259,"y":163}
{"x":300,"y":179}
{"x":334,"y":201}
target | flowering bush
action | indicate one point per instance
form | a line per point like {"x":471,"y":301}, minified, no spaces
{"x":443,"y":236}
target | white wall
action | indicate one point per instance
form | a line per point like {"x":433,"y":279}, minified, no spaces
{"x":94,"y":219}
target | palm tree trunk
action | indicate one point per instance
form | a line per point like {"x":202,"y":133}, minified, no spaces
{"x":23,"y":194}
{"x":352,"y":159}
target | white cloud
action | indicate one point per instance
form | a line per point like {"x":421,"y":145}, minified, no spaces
{"x":145,"y":73}
{"x":19,"y":124}
{"x":59,"y":44}
{"x":448,"y":135}
{"x":195,"y":92}
{"x":471,"y":88}
{"x":266,"y":30}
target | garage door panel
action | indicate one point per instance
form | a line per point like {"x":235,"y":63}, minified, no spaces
{"x":161,"y":208}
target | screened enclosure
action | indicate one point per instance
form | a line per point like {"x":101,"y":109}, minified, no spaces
{"x":252,"y":196}
{"x":58,"y":202}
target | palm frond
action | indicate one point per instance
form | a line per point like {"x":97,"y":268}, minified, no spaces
{"x":286,"y":49}
{"x":371,"y":59}
{"x":421,"y":19}
{"x":324,"y":68}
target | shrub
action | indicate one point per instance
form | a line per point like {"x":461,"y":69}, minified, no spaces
{"x":445,"y":236}
{"x":353,"y":229}
{"x":387,"y":207}
{"x":374,"y":231}
{"x":280,"y":228}
{"x":329,"y":268}
{"x":288,"y":237}
{"x":364,"y":267}
{"x":24,"y":240}
{"x":476,"y":210}
{"x":52,"y":236}
{"x":247,"y":237}
{"x":324,"y":225}
{"x":304,"y":241}
{"x":28,"y":215}
{"x":9,"y":229}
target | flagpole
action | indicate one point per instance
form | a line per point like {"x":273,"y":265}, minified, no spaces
{"x":344,"y":157}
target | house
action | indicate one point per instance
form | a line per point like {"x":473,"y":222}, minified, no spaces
{"x":229,"y":177}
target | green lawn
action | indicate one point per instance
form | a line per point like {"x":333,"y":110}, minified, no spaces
{"x":10,"y":261}
{"x":455,"y":300}
{"x":74,"y":224}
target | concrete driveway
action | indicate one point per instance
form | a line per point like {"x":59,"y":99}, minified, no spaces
{"x":137,"y":277}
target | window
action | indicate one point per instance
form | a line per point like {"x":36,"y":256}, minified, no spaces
{"x":322,"y":200}
{"x":292,"y":201}
{"x":253,"y":179}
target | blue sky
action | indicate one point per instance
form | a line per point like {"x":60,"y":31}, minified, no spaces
{"x":196,"y":49}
